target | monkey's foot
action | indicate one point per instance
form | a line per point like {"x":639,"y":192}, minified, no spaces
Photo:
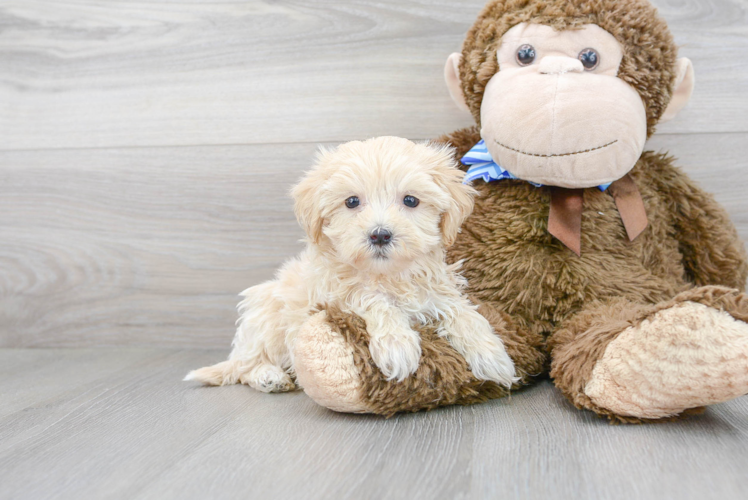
{"x":686,"y":356}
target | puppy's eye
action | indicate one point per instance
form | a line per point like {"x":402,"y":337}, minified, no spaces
{"x":352,"y":202}
{"x":411,"y":201}
{"x":525,"y":55}
{"x":590,"y":59}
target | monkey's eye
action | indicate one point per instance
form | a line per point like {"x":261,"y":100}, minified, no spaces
{"x":352,"y":202}
{"x":525,"y":55}
{"x":590,"y":59}
{"x":411,"y":201}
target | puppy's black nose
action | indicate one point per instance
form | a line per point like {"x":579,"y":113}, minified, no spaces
{"x":380,"y":237}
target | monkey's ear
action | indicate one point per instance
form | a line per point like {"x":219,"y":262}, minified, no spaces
{"x":452,"y":77}
{"x":684,"y":84}
{"x":307,"y":205}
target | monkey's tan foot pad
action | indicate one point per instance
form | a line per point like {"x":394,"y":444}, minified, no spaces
{"x":325,"y":367}
{"x":686,"y":356}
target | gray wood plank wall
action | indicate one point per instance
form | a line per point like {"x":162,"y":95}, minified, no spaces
{"x":146,"y":148}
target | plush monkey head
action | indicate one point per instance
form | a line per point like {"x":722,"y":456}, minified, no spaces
{"x":566,"y":92}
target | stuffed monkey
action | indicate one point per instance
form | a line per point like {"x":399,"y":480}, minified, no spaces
{"x":595,"y":262}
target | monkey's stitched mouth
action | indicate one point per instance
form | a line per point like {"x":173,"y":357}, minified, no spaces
{"x":556,"y":155}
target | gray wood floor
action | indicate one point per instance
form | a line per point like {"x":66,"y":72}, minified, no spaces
{"x":146,"y":149}
{"x":118,"y":423}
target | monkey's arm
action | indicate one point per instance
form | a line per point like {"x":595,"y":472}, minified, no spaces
{"x":713,"y":253}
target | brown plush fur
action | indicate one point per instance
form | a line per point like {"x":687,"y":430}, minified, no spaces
{"x":526,"y":349}
{"x":648,"y":58}
{"x":512,"y":263}
{"x":530,"y":285}
{"x":442,"y":378}
{"x":582,"y":340}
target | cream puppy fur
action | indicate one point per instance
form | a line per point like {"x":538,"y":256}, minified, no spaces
{"x":378,"y":216}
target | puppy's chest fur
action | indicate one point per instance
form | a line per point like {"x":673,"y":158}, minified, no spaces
{"x":418,"y":300}
{"x":425,"y":293}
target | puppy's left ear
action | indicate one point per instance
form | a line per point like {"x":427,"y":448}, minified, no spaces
{"x":307,"y":203}
{"x":449,"y":178}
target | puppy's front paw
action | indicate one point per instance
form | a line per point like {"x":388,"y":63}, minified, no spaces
{"x":472,"y":336}
{"x":396,"y":353}
{"x":489,"y":361}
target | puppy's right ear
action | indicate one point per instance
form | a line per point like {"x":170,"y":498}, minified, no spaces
{"x":306,"y":195}
{"x":449,"y":178}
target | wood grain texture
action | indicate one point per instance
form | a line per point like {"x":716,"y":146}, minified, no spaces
{"x":86,"y":73}
{"x":151,"y":246}
{"x":146,"y":149}
{"x":137,"y":246}
{"x":122,"y":425}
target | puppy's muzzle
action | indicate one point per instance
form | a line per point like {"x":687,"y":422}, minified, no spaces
{"x":380,"y":237}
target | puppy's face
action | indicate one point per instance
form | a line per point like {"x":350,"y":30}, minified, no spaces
{"x":382,"y":203}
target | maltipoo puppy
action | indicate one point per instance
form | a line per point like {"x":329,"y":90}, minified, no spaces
{"x":378,"y":216}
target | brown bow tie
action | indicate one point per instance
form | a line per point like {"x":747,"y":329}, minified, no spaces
{"x":565,"y":217}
